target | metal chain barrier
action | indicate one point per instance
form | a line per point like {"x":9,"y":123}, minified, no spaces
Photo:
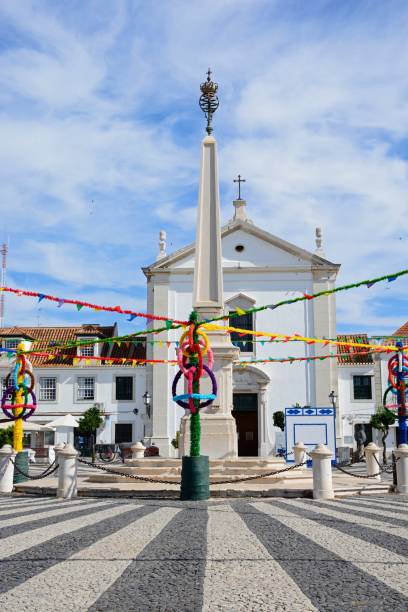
{"x":133,"y":476}
{"x":256,"y":476}
{"x":387,"y":468}
{"x":50,"y":470}
{"x":338,"y":467}
{"x":146,"y":479}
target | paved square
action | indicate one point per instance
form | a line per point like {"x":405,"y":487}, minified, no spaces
{"x":277,"y":554}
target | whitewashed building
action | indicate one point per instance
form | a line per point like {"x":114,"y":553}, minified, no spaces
{"x":362,"y":382}
{"x":258,"y":268}
{"x":62,"y":387}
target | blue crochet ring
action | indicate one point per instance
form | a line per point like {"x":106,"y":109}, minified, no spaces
{"x":199,"y":396}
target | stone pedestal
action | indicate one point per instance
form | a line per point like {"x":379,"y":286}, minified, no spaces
{"x":138,"y":450}
{"x":401,"y":455}
{"x":299,"y":453}
{"x":372,"y":454}
{"x":67,"y":472}
{"x":7,"y":453}
{"x":322,"y":473}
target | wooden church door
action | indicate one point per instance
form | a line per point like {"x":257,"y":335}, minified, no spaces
{"x":245,"y":413}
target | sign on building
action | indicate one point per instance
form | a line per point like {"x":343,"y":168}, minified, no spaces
{"x":311,"y":426}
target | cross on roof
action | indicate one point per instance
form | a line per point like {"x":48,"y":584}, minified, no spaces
{"x":239,"y":180}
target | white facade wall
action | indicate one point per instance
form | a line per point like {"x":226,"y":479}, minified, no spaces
{"x":354,"y":411}
{"x":114,"y":411}
{"x":261,"y":274}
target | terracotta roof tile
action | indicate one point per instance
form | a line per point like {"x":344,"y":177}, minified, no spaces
{"x":44,"y":338}
{"x":351,"y":355}
{"x":402,"y":331}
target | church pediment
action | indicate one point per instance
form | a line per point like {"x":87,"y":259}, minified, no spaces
{"x":244,"y":245}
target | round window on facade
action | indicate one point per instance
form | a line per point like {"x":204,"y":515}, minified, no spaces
{"x":239,"y":248}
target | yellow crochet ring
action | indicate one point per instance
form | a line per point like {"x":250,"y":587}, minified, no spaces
{"x":202,"y":335}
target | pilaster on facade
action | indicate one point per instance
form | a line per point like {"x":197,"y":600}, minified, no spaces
{"x":324,"y":315}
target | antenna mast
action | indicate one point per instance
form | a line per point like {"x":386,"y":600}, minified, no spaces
{"x":3,"y":251}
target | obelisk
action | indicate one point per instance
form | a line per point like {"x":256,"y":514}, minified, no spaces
{"x":218,"y":428}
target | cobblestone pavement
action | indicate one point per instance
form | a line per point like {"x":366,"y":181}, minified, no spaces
{"x":273,"y":555}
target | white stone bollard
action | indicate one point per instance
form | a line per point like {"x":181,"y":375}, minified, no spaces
{"x":57,"y":448}
{"x":137,"y":450}
{"x":401,"y":456}
{"x":299,"y":452}
{"x":7,"y":452}
{"x":322,"y":472}
{"x":67,"y":472}
{"x":372,"y":454}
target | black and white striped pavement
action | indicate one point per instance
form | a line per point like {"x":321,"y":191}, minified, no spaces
{"x":278,"y":554}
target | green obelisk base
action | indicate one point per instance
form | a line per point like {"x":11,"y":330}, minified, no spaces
{"x":21,"y":461}
{"x":195,"y":478}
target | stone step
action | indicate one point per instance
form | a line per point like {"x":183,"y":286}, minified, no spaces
{"x":362,"y":490}
{"x":243,"y":462}
{"x":156,"y":471}
{"x":296,"y":474}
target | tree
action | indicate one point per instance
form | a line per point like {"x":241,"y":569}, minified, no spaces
{"x":279,"y":419}
{"x":6,"y":436}
{"x":382,"y":420}
{"x":89,"y":423}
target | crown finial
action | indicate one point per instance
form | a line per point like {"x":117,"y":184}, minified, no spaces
{"x":208,"y":100}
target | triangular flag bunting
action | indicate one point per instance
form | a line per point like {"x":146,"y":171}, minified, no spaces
{"x":240,"y":311}
{"x":391,"y":278}
{"x":169,"y":324}
{"x":60,"y":303}
{"x":79,"y":307}
{"x":131,"y":317}
{"x":41,"y":296}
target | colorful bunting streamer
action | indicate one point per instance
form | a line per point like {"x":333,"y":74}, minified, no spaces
{"x":368,"y":283}
{"x":79,"y":304}
{"x":238,"y":311}
{"x":290,"y":338}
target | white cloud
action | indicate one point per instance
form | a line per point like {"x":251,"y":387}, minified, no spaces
{"x":100,"y":134}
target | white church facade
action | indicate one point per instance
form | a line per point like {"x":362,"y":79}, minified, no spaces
{"x":258,"y":268}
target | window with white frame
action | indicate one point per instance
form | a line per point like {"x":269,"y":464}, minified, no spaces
{"x":87,"y":350}
{"x":362,"y":388}
{"x":48,"y":389}
{"x":124,"y":388}
{"x":240,"y":339}
{"x":85,"y":388}
{"x":4,"y":388}
{"x":11,"y":343}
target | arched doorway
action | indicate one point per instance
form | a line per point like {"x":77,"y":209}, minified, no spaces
{"x":249,"y":410}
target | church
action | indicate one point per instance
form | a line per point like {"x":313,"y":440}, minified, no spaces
{"x":247,"y":267}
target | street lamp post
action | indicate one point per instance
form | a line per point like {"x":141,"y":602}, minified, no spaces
{"x":333,"y":397}
{"x":147,"y":402}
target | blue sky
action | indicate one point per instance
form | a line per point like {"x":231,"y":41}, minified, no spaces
{"x":101,"y":130}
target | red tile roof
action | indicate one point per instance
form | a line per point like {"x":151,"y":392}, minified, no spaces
{"x":402,"y":331}
{"x":45,"y":338}
{"x":353,"y":355}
